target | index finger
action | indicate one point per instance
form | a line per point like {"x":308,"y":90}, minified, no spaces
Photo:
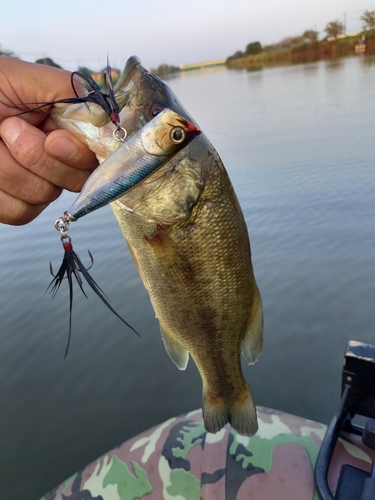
{"x":25,"y":83}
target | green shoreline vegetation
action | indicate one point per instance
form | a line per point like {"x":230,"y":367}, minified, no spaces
{"x":301,"y":51}
{"x":290,"y":50}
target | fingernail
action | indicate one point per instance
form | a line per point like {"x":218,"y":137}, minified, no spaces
{"x":62,"y":148}
{"x":10,"y":131}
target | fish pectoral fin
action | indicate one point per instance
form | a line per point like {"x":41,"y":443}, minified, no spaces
{"x":178,"y":354}
{"x":253,"y":341}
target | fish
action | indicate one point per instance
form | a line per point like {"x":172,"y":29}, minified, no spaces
{"x":187,"y":235}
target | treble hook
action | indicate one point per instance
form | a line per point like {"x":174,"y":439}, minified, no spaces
{"x":72,"y":266}
{"x":87,"y":268}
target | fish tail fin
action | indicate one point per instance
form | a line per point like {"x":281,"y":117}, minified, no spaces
{"x":239,"y":411}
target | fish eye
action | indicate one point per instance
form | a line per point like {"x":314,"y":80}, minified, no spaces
{"x":155,"y":110}
{"x":177,"y":135}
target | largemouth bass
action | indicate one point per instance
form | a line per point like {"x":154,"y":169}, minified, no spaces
{"x":187,"y":234}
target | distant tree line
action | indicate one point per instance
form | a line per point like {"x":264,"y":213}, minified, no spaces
{"x":334,"y":29}
{"x":7,"y":53}
{"x":47,"y":61}
{"x":310,"y":37}
{"x":163,"y":69}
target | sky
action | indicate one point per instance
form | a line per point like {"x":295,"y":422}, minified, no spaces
{"x":82,"y":33}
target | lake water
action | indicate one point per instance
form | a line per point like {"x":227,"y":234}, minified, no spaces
{"x":298,"y":143}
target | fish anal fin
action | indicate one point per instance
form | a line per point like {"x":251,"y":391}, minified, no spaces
{"x":252,"y":343}
{"x":178,"y":354}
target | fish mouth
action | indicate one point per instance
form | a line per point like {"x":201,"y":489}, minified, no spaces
{"x":129,"y":78}
{"x":141,"y":95}
{"x":125,"y":89}
{"x":125,"y":77}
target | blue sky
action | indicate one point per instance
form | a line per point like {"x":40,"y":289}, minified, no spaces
{"x":77,"y":32}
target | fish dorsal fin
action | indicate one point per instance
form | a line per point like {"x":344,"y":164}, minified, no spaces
{"x":176,"y":352}
{"x":253,"y":341}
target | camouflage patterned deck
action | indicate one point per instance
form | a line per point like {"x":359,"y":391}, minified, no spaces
{"x":178,"y":460}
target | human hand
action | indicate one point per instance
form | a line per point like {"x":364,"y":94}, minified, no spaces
{"x":37,"y":159}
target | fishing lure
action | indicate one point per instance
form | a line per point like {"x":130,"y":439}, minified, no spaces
{"x":137,"y":158}
{"x":140,"y":156}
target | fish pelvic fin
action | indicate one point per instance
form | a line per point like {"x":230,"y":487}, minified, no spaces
{"x":252,"y":343}
{"x":178,"y":354}
{"x":238,"y":411}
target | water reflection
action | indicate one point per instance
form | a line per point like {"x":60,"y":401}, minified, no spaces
{"x":195,"y":72}
{"x":311,"y":67}
{"x":334,"y":64}
{"x":367,"y":59}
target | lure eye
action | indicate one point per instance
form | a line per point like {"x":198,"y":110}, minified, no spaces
{"x":177,"y":135}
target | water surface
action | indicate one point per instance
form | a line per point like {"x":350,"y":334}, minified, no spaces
{"x":298,"y":143}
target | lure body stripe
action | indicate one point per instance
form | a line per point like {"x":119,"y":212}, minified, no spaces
{"x":125,"y":168}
